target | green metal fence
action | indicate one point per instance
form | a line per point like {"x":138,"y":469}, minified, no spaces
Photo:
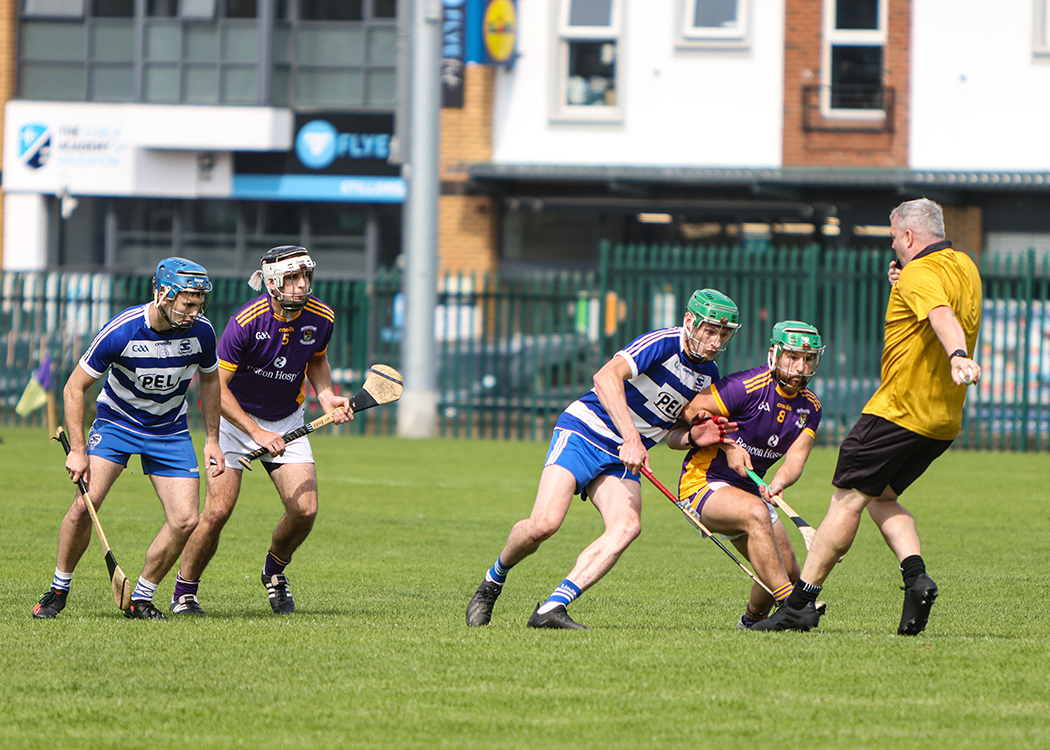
{"x":512,"y":353}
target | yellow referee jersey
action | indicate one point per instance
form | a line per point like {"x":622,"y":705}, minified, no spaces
{"x":917,"y":390}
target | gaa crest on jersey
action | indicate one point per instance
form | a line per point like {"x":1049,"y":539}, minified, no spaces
{"x":308,"y":333}
{"x":764,"y":406}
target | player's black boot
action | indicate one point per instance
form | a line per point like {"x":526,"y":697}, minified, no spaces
{"x":53,"y":602}
{"x":786,"y":618}
{"x":918,"y":601}
{"x":143,"y":609}
{"x":479,"y":609}
{"x":280,"y":597}
{"x":556,"y":618}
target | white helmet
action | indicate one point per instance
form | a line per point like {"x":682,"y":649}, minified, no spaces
{"x":276,"y":264}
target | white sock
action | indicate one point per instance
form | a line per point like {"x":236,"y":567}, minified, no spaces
{"x":144,"y":590}
{"x":61,"y":580}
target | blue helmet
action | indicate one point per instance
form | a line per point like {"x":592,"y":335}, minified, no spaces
{"x":176,"y":275}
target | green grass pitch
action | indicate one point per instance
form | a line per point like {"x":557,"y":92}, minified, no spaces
{"x":378,"y":654}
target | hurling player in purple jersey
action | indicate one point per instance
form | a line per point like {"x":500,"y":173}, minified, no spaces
{"x":600,"y":444}
{"x":151,"y":353}
{"x":270,"y":347}
{"x":777,"y":417}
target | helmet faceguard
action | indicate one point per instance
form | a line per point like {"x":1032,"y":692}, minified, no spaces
{"x":278,"y":263}
{"x":175,"y":275}
{"x":716,"y":309}
{"x":799,"y":339}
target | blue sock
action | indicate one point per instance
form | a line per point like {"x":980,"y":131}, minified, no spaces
{"x":498,"y":573}
{"x":566,"y":592}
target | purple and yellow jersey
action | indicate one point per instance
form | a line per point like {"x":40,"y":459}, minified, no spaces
{"x":268,"y":355}
{"x":149,"y":371}
{"x":663,"y":380}
{"x":769,"y":423}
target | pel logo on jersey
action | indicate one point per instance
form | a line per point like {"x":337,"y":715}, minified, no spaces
{"x":161,"y":382}
{"x":668,"y":404}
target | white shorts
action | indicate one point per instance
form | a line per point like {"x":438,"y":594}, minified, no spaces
{"x":235,"y":442}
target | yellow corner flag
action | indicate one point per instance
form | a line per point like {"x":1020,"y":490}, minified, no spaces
{"x":36,"y":392}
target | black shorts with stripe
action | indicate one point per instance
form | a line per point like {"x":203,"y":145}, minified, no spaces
{"x":878,"y":454}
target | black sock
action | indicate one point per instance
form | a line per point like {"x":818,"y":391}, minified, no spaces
{"x":803,"y":594}
{"x":911,"y":568}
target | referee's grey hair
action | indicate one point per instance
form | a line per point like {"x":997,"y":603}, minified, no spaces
{"x":922,"y":216}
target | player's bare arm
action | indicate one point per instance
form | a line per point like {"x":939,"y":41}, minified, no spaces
{"x":608,"y":384}
{"x":319,"y":373}
{"x":73,"y":397}
{"x":233,"y":412}
{"x":944,"y":323}
{"x":791,"y":468}
{"x":211,"y":405}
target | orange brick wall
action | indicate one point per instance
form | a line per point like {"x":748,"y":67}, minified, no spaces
{"x":467,"y":238}
{"x":802,"y":38}
{"x":964,"y":226}
{"x":8,"y":71}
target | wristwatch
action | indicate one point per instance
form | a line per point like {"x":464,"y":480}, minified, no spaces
{"x":958,"y":353}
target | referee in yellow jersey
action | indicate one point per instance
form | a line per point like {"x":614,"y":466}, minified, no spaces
{"x":932,"y":320}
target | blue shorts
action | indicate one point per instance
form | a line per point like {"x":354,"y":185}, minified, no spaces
{"x":161,"y":455}
{"x":584,"y":460}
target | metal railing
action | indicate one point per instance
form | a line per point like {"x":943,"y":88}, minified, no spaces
{"x":514,"y":352}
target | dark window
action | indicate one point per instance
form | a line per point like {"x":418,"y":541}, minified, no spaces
{"x":114,"y":8}
{"x":241,"y":9}
{"x":385,"y":9}
{"x":330,"y":10}
{"x":857,"y":14}
{"x":162,"y":8}
{"x":592,"y":73}
{"x":856,"y":77}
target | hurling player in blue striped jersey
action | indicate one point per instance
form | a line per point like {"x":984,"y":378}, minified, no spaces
{"x":600,"y":444}
{"x":151,"y":352}
{"x":267,"y":351}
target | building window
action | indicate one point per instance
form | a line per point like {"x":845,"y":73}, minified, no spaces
{"x":129,"y":235}
{"x":713,"y":24}
{"x":589,"y":42}
{"x":330,"y":53}
{"x":853,"y":58}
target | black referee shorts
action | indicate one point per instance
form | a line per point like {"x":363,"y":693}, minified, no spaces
{"x":877,"y":453}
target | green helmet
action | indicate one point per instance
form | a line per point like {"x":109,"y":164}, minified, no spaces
{"x":795,"y":336}
{"x":709,"y":306}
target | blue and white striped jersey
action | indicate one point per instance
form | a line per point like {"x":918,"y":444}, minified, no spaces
{"x":662,"y":382}
{"x":149,"y":372}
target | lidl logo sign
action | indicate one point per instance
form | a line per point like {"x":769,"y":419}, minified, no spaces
{"x":34,"y":145}
{"x":500,"y":31}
